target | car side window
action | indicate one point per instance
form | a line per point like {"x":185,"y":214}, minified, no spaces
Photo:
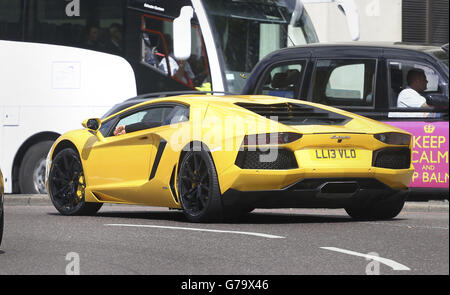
{"x":145,"y":119}
{"x":105,"y":129}
{"x":283,"y":80}
{"x":177,"y":115}
{"x":344,"y":82}
{"x":410,"y":83}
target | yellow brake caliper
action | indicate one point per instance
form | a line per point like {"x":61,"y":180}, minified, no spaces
{"x":81,"y":187}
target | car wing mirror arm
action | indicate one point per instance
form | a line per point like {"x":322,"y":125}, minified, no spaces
{"x":93,"y":125}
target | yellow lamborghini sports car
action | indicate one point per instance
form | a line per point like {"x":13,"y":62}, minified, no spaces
{"x":218,"y":156}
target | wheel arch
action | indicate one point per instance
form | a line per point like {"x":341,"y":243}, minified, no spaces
{"x":62,"y":145}
{"x":189,"y":146}
{"x":26,"y":145}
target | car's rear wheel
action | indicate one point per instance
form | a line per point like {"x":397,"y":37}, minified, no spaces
{"x":198,"y":187}
{"x":67,"y":185}
{"x":387,"y":208}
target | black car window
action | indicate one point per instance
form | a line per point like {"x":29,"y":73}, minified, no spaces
{"x":344,"y":82}
{"x":282,"y":80}
{"x":404,"y":94}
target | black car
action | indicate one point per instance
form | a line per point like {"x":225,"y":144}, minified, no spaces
{"x":367,"y":78}
{"x":1,"y":206}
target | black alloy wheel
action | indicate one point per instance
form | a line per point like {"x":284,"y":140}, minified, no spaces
{"x":67,"y":185}
{"x":198,"y":187}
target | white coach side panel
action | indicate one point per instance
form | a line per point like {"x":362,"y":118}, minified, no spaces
{"x":51,"y":88}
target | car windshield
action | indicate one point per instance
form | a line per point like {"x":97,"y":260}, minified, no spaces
{"x":246,"y":31}
{"x":442,"y":56}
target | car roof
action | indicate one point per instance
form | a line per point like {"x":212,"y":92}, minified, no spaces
{"x":151,"y":96}
{"x":425,"y":48}
{"x":401,"y":45}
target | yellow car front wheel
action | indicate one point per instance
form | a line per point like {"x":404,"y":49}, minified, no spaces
{"x":67,"y":185}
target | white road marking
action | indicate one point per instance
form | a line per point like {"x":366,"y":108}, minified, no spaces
{"x":391,"y":263}
{"x":201,"y":229}
{"x":408,"y":226}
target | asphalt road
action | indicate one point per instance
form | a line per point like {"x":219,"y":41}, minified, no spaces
{"x":135,"y":240}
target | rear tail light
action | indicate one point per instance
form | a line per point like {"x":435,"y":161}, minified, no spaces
{"x":394,"y":138}
{"x":271,"y":138}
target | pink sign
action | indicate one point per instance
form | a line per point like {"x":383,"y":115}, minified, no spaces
{"x":430,"y":152}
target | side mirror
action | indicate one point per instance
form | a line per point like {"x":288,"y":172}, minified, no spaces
{"x":437,"y":100}
{"x":92,"y":124}
{"x":182,"y":34}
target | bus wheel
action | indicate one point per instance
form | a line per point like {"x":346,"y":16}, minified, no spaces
{"x":32,"y":169}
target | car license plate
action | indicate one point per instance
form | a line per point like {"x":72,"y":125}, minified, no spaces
{"x":338,"y":154}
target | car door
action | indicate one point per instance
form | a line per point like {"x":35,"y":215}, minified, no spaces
{"x":118,"y":165}
{"x":428,"y":125}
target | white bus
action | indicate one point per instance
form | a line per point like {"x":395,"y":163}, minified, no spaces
{"x":227,"y":37}
{"x":46,"y":90}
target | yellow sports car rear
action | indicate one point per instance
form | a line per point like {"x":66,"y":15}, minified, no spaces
{"x":218,"y":156}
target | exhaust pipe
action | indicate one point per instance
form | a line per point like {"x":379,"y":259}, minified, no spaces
{"x":341,"y":189}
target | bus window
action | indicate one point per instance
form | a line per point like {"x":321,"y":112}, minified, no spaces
{"x":403,"y":92}
{"x":246,"y":31}
{"x":10,"y":20}
{"x":157,"y":52}
{"x":344,"y":82}
{"x":283,"y":80}
{"x":97,"y":27}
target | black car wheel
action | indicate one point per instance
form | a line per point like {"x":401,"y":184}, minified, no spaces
{"x":377,"y":210}
{"x":67,"y":185}
{"x":198,"y":187}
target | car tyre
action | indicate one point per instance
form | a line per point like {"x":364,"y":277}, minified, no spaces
{"x":198,"y":187}
{"x":385,"y":209}
{"x":67,"y":185}
{"x":32,"y":169}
